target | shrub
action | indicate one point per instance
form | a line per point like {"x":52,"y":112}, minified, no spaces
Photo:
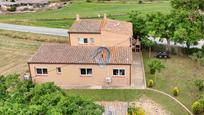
{"x":173,"y":50}
{"x":175,"y":91}
{"x":155,"y":65}
{"x":135,"y":111}
{"x":159,"y":48}
{"x":150,"y":83}
{"x":196,"y":107}
{"x":202,"y":61}
{"x":140,"y":2}
{"x":202,"y":50}
{"x":88,"y":1}
{"x":199,"y":84}
{"x":12,"y":9}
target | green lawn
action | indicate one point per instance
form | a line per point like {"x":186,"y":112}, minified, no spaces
{"x":60,"y":18}
{"x":180,"y":72}
{"x":130,"y":95}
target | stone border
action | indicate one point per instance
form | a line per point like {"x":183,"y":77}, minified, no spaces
{"x":172,"y":98}
{"x":141,"y":56}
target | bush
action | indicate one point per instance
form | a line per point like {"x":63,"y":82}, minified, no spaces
{"x":140,"y":2}
{"x":202,"y":61}
{"x":150,"y":83}
{"x":159,"y":48}
{"x":135,"y":111}
{"x":189,"y":51}
{"x":199,"y":84}
{"x":155,"y":65}
{"x":12,"y":9}
{"x":175,"y":91}
{"x":196,"y":107}
{"x":202,"y":50}
{"x":88,"y":1}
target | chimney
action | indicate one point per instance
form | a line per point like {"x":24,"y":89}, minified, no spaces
{"x":77,"y":17}
{"x":104,"y":17}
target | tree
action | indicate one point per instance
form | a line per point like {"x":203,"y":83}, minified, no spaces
{"x":199,"y":84}
{"x":189,"y":27}
{"x":139,"y":24}
{"x":148,"y":43}
{"x":155,"y":66}
{"x":188,"y":4}
{"x":23,"y":97}
{"x":162,"y":26}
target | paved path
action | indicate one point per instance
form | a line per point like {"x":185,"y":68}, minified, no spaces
{"x":138,"y":76}
{"x":39,"y":30}
{"x":114,"y":108}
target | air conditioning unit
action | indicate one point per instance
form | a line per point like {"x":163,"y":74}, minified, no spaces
{"x":26,"y":76}
{"x":108,"y":80}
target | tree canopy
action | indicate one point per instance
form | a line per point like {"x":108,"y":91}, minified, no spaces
{"x":188,"y":4}
{"x":23,"y":97}
{"x":182,"y":25}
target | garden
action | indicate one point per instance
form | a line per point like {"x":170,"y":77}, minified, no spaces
{"x":182,"y":74}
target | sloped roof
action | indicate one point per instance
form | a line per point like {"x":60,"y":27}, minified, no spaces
{"x":86,"y":25}
{"x":117,"y":26}
{"x":65,"y":54}
{"x":98,"y":25}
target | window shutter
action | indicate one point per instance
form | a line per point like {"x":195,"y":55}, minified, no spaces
{"x":81,"y":40}
{"x":92,"y":40}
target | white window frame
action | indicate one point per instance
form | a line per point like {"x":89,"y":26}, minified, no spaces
{"x":86,"y":69}
{"x":89,"y":40}
{"x":58,"y":71}
{"x":119,"y":71}
{"x":81,"y":40}
{"x":41,"y":70}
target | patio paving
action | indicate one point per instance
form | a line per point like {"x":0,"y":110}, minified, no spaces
{"x":114,"y":108}
{"x":138,"y":78}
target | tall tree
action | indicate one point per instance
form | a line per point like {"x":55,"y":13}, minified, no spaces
{"x":149,"y":44}
{"x":139,"y":24}
{"x":189,"y":27}
{"x":161,"y":26}
{"x":188,"y":4}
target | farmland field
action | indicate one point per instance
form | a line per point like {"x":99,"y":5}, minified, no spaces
{"x":17,"y":47}
{"x":15,"y":53}
{"x":63,"y":18}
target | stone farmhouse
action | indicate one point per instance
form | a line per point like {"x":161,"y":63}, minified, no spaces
{"x":97,"y":55}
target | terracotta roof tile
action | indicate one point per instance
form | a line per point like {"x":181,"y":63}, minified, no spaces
{"x":96,"y":25}
{"x":117,"y":26}
{"x":86,"y":25}
{"x":65,"y":54}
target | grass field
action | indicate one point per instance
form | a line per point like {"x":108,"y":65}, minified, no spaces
{"x":180,"y":72}
{"x":17,"y":47}
{"x":130,"y":95}
{"x":63,"y":18}
{"x":15,"y":53}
